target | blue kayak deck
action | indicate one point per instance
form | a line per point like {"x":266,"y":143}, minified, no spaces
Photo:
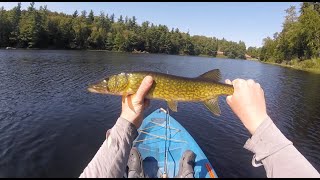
{"x":162,"y":140}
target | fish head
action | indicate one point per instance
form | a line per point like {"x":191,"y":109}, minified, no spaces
{"x":115,"y":85}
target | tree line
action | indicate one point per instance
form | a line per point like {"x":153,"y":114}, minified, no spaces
{"x":299,"y":39}
{"x":42,"y":28}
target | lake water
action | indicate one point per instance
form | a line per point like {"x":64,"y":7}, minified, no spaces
{"x":51,"y":126}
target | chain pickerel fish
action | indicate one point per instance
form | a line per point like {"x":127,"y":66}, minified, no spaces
{"x":205,"y":88}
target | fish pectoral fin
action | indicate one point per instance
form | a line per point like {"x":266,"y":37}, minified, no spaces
{"x":173,"y":105}
{"x":212,"y":75}
{"x":213,"y":106}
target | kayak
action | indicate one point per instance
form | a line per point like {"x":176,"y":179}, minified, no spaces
{"x":162,"y":141}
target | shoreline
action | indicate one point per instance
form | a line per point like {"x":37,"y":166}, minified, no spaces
{"x":311,"y":70}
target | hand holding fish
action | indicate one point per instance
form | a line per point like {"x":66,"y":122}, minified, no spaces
{"x":248,"y":103}
{"x":134,"y":105}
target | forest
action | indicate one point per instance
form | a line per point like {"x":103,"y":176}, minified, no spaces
{"x":298,"y":44}
{"x":44,"y":29}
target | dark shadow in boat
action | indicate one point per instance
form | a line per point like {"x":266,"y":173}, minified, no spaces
{"x":150,"y":167}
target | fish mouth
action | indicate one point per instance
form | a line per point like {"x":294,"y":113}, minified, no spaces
{"x":97,"y":88}
{"x":93,"y":90}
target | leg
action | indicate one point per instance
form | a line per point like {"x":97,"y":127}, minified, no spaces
{"x":186,"y":165}
{"x":135,"y":164}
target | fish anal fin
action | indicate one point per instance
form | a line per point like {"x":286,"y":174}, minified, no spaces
{"x":213,"y":106}
{"x":173,"y":105}
{"x":212,"y":75}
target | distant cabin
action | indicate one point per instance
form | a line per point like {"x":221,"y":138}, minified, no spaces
{"x":247,"y":56}
{"x":219,"y":52}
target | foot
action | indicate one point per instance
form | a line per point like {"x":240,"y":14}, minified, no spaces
{"x":135,"y":164}
{"x":186,"y":165}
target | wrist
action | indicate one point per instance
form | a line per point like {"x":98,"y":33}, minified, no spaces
{"x":254,"y":123}
{"x":131,"y":119}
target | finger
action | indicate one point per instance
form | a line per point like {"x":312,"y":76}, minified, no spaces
{"x":238,"y":83}
{"x":123,"y":99}
{"x":262,"y":91}
{"x":258,"y":86}
{"x":250,"y":82}
{"x":129,"y":101}
{"x":144,"y":88}
{"x":228,"y":81}
{"x":229,"y":100}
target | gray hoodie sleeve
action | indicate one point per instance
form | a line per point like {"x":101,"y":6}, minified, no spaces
{"x":277,"y":154}
{"x":111,"y":159}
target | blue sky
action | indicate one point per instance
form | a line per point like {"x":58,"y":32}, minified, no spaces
{"x":249,"y":22}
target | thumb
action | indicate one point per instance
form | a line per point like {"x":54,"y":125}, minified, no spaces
{"x":144,"y":88}
{"x":229,"y":100}
{"x":227,"y":81}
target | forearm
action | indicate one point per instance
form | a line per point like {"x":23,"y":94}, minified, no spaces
{"x":278,"y":155}
{"x":111,"y":159}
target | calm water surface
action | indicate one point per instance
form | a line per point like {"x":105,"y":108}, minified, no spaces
{"x":51,"y":126}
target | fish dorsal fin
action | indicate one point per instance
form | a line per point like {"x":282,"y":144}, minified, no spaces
{"x":213,"y":106}
{"x":173,"y":105}
{"x":212,"y":75}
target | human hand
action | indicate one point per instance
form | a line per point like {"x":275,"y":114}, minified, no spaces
{"x":133,"y":105}
{"x":248,"y":103}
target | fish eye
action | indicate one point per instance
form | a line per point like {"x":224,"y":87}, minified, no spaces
{"x":106,"y":80}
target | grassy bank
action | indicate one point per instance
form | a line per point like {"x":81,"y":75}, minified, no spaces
{"x":252,"y":59}
{"x":310,"y":65}
{"x":221,"y":56}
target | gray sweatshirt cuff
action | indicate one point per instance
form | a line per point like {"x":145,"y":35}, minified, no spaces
{"x":266,"y":141}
